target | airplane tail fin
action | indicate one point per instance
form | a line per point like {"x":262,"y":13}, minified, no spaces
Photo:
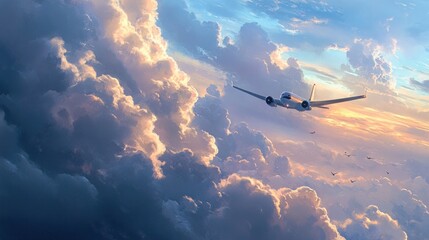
{"x":312,"y":93}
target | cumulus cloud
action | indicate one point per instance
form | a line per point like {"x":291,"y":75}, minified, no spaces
{"x":255,"y":68}
{"x":131,"y":33}
{"x":252,"y":210}
{"x":67,"y":118}
{"x":97,"y":108}
{"x":90,"y":120}
{"x":241,"y":149}
{"x":366,"y":58}
{"x":210,"y":115}
{"x":404,"y":199}
{"x":373,"y":224}
{"x":99,"y":138}
{"x":250,"y":60}
{"x":247,"y":61}
{"x":407,"y":211}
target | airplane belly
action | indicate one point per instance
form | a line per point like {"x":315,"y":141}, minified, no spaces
{"x":285,"y":103}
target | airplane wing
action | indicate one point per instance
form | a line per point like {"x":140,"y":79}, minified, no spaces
{"x":322,"y":104}
{"x":251,"y":93}
{"x":275,"y":102}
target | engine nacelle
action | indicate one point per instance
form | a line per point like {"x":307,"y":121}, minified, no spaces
{"x":270,"y":101}
{"x":305,"y":104}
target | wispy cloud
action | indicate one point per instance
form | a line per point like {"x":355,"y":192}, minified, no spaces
{"x":423,"y":85}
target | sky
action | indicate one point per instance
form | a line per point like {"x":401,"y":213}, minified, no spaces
{"x":118,"y":119}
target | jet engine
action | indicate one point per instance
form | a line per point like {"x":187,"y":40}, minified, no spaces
{"x":270,"y":101}
{"x":305,"y":104}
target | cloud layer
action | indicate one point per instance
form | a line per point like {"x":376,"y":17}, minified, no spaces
{"x":387,"y":126}
{"x":101,"y":136}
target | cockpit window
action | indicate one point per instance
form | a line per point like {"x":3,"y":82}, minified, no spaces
{"x":286,"y":96}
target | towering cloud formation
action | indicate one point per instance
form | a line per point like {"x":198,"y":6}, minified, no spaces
{"x":99,"y":139}
{"x":82,"y":142}
{"x":99,"y":116}
{"x":130,"y":32}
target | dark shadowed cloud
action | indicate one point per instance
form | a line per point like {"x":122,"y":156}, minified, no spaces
{"x":102,"y":137}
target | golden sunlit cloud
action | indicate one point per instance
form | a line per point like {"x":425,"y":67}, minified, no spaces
{"x":374,"y":124}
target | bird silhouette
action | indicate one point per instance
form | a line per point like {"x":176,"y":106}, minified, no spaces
{"x":347,"y":154}
{"x":352,"y":181}
{"x":334,"y":173}
{"x":313,"y":132}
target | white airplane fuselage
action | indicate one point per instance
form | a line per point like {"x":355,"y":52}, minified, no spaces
{"x":293,"y":101}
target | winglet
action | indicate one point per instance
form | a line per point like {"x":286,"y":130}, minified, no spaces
{"x":312,"y":92}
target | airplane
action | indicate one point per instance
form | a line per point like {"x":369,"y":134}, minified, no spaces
{"x":293,"y":101}
{"x":353,"y":181}
{"x":334,"y":173}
